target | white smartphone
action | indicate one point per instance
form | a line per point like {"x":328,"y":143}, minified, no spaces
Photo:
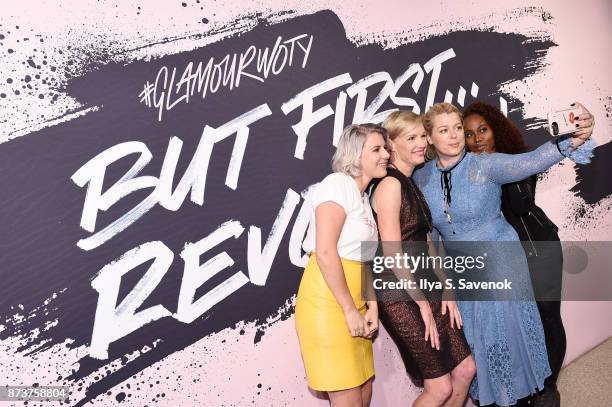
{"x":563,"y":121}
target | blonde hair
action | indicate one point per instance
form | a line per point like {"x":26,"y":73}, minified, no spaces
{"x":428,"y":117}
{"x":347,"y":157}
{"x":435,"y":110}
{"x":396,"y":122}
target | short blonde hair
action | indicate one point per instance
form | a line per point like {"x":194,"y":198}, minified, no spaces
{"x":350,"y":146}
{"x":435,"y":110}
{"x":396,"y":122}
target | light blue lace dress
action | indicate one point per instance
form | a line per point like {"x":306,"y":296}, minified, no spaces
{"x":506,"y":337}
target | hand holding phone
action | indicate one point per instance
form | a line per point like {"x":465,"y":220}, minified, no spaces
{"x":563,"y":121}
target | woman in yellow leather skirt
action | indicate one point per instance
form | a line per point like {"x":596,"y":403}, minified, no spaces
{"x":334,"y":323}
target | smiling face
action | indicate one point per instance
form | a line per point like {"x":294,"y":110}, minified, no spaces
{"x":409,"y":147}
{"x":374,"y":156}
{"x":479,"y":136}
{"x":447,"y":135}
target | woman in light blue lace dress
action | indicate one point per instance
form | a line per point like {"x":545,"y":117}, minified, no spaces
{"x":463,"y":192}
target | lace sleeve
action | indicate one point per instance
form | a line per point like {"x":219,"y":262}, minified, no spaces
{"x":506,"y":168}
{"x":580,"y":155}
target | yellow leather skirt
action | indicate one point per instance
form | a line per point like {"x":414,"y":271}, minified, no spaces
{"x":333,"y":359}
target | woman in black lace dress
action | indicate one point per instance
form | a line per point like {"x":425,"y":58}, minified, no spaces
{"x":432,"y":344}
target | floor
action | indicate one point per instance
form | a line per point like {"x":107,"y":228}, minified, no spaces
{"x":587,"y":381}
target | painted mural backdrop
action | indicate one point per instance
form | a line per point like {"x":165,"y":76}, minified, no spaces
{"x":153,"y":193}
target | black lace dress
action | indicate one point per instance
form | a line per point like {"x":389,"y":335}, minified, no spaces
{"x":402,"y":319}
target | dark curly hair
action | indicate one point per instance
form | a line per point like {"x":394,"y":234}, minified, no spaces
{"x":508,"y":138}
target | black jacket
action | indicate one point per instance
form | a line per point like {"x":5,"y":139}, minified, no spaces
{"x":520,"y":210}
{"x":538,"y":235}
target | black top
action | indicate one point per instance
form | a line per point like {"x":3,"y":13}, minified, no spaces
{"x":520,"y":210}
{"x":415,"y":217}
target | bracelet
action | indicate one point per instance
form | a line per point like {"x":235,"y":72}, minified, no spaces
{"x":559,"y":148}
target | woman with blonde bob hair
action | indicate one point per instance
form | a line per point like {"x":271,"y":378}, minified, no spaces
{"x":463,"y":191}
{"x":334,"y":323}
{"x":433,"y":347}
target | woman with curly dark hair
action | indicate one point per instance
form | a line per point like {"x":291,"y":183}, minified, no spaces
{"x":487,"y":130}
{"x":497,"y":133}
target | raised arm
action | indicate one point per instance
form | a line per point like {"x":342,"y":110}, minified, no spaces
{"x":506,"y":168}
{"x":578,"y":147}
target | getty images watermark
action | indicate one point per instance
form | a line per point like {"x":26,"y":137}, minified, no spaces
{"x":413,"y":265}
{"x":487,"y":271}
